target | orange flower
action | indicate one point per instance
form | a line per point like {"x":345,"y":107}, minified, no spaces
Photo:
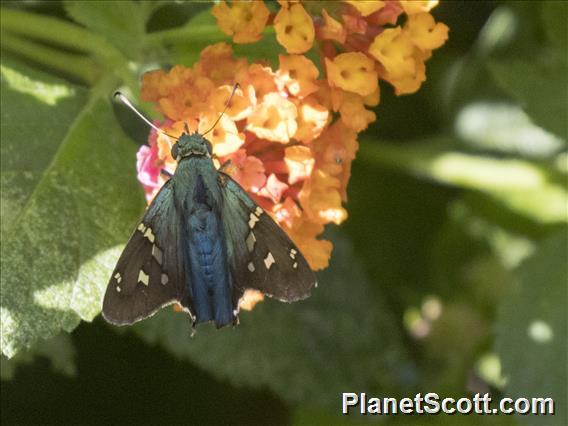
{"x":294,"y":29}
{"x":261,"y":78}
{"x":317,"y":252}
{"x":224,"y":137}
{"x":248,"y":171}
{"x":321,"y":200}
{"x":216,"y":62}
{"x":242,"y":20}
{"x":274,"y":119}
{"x":330,"y":29}
{"x":299,"y":74}
{"x":273,"y":189}
{"x":300,"y":163}
{"x":312,"y":119}
{"x":287,"y":213}
{"x":250,"y":299}
{"x":335,"y":151}
{"x":353,"y":71}
{"x":240,"y":106}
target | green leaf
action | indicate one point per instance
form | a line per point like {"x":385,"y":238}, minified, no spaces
{"x":531,"y":329}
{"x":505,"y":128}
{"x":121,"y":23}
{"x":69,"y":198}
{"x":555,"y":23}
{"x":59,"y":350}
{"x":342,"y":337}
{"x":524,"y":187}
{"x":540,"y":87}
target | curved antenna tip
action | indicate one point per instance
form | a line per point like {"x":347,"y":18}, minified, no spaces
{"x":125,"y":100}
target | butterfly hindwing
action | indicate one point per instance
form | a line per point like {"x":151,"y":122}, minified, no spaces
{"x":150,"y":271}
{"x":261,"y":255}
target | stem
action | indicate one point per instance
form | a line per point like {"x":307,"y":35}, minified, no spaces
{"x":202,"y":32}
{"x":55,"y":31}
{"x":78,"y":66}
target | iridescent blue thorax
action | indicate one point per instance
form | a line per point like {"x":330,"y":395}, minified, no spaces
{"x":197,"y":194}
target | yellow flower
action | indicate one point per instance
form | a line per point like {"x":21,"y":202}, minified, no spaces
{"x":425,"y":32}
{"x":353,"y":72}
{"x":294,"y":29}
{"x":353,"y":112}
{"x":411,"y":83}
{"x":274,"y":119}
{"x":412,"y":7}
{"x":393,"y":48}
{"x":299,"y":74}
{"x":244,"y":21}
{"x":366,"y":7}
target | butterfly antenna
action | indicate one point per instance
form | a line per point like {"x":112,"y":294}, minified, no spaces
{"x":125,"y":100}
{"x":235,"y":87}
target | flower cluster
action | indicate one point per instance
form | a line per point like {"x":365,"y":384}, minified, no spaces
{"x":275,"y":132}
{"x":291,"y":133}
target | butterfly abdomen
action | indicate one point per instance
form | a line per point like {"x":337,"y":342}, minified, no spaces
{"x":209,"y":278}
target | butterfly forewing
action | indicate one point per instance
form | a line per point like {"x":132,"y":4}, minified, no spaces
{"x":150,"y":271}
{"x":262,"y":257}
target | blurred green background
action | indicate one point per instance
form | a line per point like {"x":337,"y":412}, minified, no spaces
{"x":449,"y":276}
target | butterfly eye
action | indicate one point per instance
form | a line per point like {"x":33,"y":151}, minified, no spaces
{"x":175,"y":151}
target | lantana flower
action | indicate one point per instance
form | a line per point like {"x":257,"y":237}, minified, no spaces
{"x":289,"y":135}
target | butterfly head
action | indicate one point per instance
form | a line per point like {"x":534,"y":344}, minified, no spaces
{"x":191,"y":145}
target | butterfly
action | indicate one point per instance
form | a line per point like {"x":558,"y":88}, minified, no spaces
{"x":201,"y":243}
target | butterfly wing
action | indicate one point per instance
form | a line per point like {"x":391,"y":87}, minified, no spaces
{"x":261,"y":256}
{"x":150,"y":272}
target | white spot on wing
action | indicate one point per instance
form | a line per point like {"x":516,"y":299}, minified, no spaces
{"x":251,"y":267}
{"x":269,"y":260}
{"x":164,"y":279}
{"x":143,"y":278}
{"x":118,"y":289}
{"x":150,"y":235}
{"x":251,"y":239}
{"x":157,"y":253}
{"x":295,"y":265}
{"x":258,"y":211}
{"x":141,"y":227}
{"x":117,"y":277}
{"x":252,"y":220}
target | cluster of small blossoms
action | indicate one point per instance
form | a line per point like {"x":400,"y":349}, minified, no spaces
{"x":291,"y":133}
